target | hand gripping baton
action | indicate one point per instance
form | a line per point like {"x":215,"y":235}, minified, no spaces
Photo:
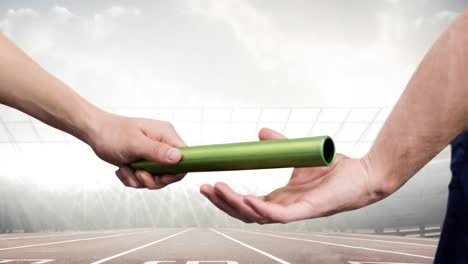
{"x":282,"y":153}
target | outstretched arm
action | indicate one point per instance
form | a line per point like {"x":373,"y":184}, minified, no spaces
{"x":431,"y":112}
{"x":24,"y":85}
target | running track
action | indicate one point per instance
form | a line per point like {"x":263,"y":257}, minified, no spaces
{"x":218,"y":246}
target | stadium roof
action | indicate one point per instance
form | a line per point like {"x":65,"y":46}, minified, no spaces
{"x":39,"y":156}
{"x":353,"y":129}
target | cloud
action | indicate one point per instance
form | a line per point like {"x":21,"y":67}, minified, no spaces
{"x":116,"y":11}
{"x":253,"y":28}
{"x":62,"y":12}
{"x":137,"y":57}
{"x":318,"y":64}
{"x":96,"y":55}
{"x":226,"y":52}
{"x":22,"y":12}
{"x":445,"y":16}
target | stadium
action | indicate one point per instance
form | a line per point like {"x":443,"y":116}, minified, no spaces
{"x":59,"y":203}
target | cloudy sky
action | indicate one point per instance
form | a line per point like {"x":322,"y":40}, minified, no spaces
{"x":211,"y":52}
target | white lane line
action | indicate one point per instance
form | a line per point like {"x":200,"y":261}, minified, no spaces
{"x":67,"y":234}
{"x":138,"y":248}
{"x":355,"y":238}
{"x":380,"y":235}
{"x":340,"y":245}
{"x":252,"y":248}
{"x":57,"y":235}
{"x":33,"y":261}
{"x":25,"y":237}
{"x":72,"y":240}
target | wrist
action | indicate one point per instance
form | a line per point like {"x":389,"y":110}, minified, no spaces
{"x":381,"y":179}
{"x":91,"y":123}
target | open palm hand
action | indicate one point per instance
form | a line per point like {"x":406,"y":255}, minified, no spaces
{"x":310,"y":193}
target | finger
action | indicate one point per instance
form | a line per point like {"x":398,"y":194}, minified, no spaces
{"x":236,"y":201}
{"x":276,"y":213}
{"x":148,"y":180}
{"x":170,"y":178}
{"x":161,"y":131}
{"x":269,"y":134}
{"x":128,"y":174}
{"x":157,"y":151}
{"x":122,"y":178}
{"x":171,"y":136}
{"x":209,"y":192}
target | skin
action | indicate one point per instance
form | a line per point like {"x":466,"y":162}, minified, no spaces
{"x":430,"y":113}
{"x":119,"y":140}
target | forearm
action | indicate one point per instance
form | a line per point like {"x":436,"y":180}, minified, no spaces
{"x":118,"y":140}
{"x":430,"y":113}
{"x":24,"y":85}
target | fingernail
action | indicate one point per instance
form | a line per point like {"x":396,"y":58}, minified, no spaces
{"x":203,"y":188}
{"x":173,"y":154}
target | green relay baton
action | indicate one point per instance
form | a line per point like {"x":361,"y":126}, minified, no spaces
{"x":282,"y":153}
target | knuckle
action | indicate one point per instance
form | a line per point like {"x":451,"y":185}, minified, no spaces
{"x":170,"y":125}
{"x":133,"y":142}
{"x":167,"y":124}
{"x":158,"y":149}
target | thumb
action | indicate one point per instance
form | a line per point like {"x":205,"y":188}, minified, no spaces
{"x":159,"y":152}
{"x":269,"y":134}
